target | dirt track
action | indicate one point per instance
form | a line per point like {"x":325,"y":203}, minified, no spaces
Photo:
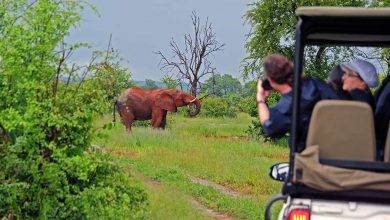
{"x":207,"y":211}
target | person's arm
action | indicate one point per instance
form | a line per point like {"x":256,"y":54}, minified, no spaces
{"x":262,"y":108}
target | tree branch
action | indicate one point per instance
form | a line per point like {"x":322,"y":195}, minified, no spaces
{"x":191,"y":62}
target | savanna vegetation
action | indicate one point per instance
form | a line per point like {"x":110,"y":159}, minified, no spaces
{"x":62,"y":158}
{"x":170,"y":162}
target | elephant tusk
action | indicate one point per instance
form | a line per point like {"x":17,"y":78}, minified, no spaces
{"x":193,"y":100}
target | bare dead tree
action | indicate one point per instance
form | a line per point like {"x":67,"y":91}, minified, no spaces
{"x":192,"y":62}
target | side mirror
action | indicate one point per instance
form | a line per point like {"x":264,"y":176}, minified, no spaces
{"x":279,"y":171}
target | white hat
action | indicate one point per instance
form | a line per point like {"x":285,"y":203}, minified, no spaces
{"x":365,"y":70}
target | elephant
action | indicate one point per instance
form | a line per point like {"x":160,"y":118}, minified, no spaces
{"x":138,"y":104}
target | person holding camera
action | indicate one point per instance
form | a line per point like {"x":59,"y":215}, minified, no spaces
{"x":276,"y":120}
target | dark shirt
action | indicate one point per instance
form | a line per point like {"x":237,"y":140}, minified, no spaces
{"x":279,"y":122}
{"x":326,"y":91}
{"x":342,"y":94}
{"x":362,"y":96}
{"x":382,"y":115}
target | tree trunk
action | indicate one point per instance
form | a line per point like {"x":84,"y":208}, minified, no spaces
{"x":194,"y":88}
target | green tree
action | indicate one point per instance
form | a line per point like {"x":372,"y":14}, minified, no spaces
{"x":230,"y":85}
{"x":249,"y":88}
{"x":273,"y":31}
{"x":385,"y":52}
{"x":47,"y":110}
{"x":169,"y":82}
{"x":150,"y":84}
{"x":212,"y":85}
{"x":112,"y":76}
{"x":221,"y":85}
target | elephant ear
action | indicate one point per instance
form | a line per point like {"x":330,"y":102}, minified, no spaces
{"x":166,"y":102}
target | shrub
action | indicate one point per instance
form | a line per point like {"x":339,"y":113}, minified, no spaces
{"x":248,"y":105}
{"x":273,"y":98}
{"x":46,"y":122}
{"x":234,"y":99}
{"x":217,"y":107}
{"x":148,"y":123}
{"x":184,"y":111}
{"x":255,"y":132}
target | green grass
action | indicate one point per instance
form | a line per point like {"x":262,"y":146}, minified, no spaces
{"x":170,"y":203}
{"x":212,"y":149}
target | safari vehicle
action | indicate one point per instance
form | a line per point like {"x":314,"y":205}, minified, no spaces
{"x":337,"y":175}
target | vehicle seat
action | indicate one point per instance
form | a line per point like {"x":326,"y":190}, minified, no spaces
{"x":342,"y":130}
{"x":387,"y":147}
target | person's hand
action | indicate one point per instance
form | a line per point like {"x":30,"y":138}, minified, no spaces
{"x":261,"y":94}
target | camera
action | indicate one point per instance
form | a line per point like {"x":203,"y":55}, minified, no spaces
{"x":266,"y":85}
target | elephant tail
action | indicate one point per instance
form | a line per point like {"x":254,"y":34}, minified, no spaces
{"x":115,"y":103}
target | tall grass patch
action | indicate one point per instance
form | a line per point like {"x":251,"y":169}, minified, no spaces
{"x":214,"y":149}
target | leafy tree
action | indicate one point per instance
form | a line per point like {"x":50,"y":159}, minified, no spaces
{"x":273,"y":31}
{"x":150,"y":84}
{"x":211,"y":85}
{"x":221,"y":85}
{"x":47,"y":109}
{"x":169,"y":82}
{"x":230,"y":85}
{"x":248,"y":105}
{"x":112,"y":76}
{"x":384,"y":54}
{"x":249,"y":88}
{"x":192,"y":62}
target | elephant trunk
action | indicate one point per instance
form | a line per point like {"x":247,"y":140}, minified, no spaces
{"x":197,"y":104}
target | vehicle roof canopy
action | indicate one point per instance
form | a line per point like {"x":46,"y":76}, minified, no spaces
{"x":343,"y":12}
{"x":345,"y":26}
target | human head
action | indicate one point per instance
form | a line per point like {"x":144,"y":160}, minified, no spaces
{"x":335,"y":77}
{"x":359,"y":74}
{"x":279,"y":69}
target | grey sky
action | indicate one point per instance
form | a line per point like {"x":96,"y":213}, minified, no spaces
{"x":141,"y":27}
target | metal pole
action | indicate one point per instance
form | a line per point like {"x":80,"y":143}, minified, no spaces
{"x":298,"y":62}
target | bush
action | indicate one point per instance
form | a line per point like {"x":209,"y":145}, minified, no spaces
{"x":184,"y":111}
{"x":248,"y":105}
{"x":234,"y":99}
{"x":273,"y":98}
{"x":217,"y":107}
{"x":255,"y":132}
{"x":78,"y":187}
{"x":47,"y":110}
{"x":148,"y":123}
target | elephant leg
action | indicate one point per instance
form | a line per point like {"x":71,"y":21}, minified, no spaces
{"x":158,"y":116}
{"x":127,"y":118}
{"x":164,"y":120}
